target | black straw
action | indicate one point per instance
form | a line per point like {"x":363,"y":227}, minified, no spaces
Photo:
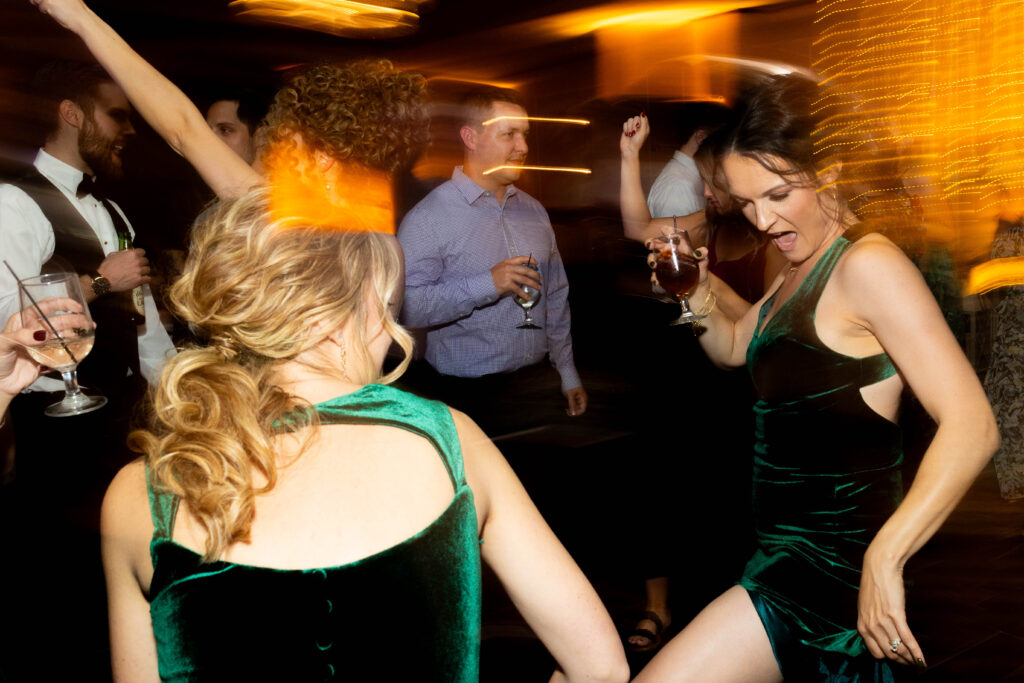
{"x":42,"y":315}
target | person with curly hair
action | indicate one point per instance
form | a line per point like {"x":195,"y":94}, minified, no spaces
{"x":335,"y":133}
{"x":288,"y":497}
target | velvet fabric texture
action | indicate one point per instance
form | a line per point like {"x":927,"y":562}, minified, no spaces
{"x":826,"y":477}
{"x":408,"y":613}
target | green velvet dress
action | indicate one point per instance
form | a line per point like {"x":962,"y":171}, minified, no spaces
{"x":826,"y":477}
{"x":408,"y":613}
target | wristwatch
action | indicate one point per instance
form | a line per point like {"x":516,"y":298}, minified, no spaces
{"x":100,"y":284}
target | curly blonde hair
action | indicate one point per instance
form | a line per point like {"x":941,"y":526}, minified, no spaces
{"x":264,"y":291}
{"x":365,"y":111}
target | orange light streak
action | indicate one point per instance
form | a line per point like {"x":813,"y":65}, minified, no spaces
{"x":1000,"y":272}
{"x":345,"y":197}
{"x":337,"y":17}
{"x":578,"y":122}
{"x":562,"y":169}
{"x":637,"y":17}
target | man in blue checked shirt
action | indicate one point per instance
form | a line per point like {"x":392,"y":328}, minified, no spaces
{"x":466,"y":245}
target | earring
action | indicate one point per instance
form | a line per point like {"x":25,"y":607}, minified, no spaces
{"x":327,"y":187}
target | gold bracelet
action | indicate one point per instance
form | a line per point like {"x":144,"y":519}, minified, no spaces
{"x":704,"y":312}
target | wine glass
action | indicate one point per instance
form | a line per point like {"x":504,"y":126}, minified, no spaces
{"x":69,"y":336}
{"x":526,"y":304}
{"x":677,"y":271}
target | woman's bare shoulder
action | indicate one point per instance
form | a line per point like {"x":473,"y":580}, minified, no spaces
{"x":874,"y":260}
{"x":127,"y":499}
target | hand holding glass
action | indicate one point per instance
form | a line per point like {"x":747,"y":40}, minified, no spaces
{"x":69,"y":335}
{"x":677,"y":271}
{"x":526,"y":304}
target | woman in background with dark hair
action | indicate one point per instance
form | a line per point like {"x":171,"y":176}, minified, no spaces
{"x":829,"y":347}
{"x":698,"y":481}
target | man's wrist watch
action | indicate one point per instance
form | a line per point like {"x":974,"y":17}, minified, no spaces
{"x":100,"y":284}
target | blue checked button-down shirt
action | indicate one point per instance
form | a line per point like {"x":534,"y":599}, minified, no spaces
{"x":451,"y":240}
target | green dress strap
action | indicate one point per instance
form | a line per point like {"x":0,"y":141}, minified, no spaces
{"x":163,"y":508}
{"x":378,"y":404}
{"x":796,"y":318}
{"x":375,"y":404}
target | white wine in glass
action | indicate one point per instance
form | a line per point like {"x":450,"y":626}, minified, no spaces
{"x":69,"y":336}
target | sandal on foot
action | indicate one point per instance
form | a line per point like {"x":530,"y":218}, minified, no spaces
{"x":653,"y":637}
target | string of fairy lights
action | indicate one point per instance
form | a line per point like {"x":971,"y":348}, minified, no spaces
{"x":927,"y":109}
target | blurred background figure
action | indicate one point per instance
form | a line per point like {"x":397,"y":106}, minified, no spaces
{"x":709,"y":472}
{"x":679,"y":189}
{"x":235,"y":118}
{"x":474,"y":248}
{"x":1006,"y":367}
{"x":57,"y":217}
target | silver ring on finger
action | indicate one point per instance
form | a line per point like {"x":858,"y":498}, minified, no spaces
{"x":894,"y":645}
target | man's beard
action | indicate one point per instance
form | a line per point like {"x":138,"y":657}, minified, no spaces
{"x":98,"y":152}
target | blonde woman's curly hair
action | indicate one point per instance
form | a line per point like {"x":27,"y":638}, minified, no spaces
{"x":264,"y":291}
{"x":366,"y":111}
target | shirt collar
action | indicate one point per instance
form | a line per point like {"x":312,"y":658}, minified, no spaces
{"x":62,"y":174}
{"x":685,"y":160}
{"x":470,"y":191}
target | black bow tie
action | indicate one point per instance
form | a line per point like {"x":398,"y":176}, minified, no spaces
{"x":88,"y":186}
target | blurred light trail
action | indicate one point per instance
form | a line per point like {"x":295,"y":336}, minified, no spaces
{"x":469,"y":80}
{"x":578,"y":122}
{"x":1000,"y":272}
{"x":371,"y":18}
{"x":768,"y":67}
{"x":562,"y":169}
{"x":925,"y":99}
{"x":348,"y":196}
{"x":636,"y":16}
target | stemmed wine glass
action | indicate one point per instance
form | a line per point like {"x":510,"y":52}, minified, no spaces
{"x":677,"y":271}
{"x":69,"y":336}
{"x":526,"y":304}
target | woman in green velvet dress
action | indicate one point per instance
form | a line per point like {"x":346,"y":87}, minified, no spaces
{"x":829,"y":348}
{"x":296,"y":519}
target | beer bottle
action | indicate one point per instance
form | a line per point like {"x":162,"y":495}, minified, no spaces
{"x":138,"y":307}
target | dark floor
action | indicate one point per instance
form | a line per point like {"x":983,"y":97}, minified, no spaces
{"x":965,"y":587}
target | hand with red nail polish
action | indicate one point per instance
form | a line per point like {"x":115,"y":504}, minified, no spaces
{"x":634,"y":133}
{"x":17,"y":369}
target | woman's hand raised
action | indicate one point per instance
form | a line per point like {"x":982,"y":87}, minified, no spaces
{"x":634,"y":132}
{"x":64,"y":12}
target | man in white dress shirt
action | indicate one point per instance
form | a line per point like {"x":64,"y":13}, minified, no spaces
{"x":55,"y":219}
{"x":87,"y":141}
{"x":679,"y":189}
